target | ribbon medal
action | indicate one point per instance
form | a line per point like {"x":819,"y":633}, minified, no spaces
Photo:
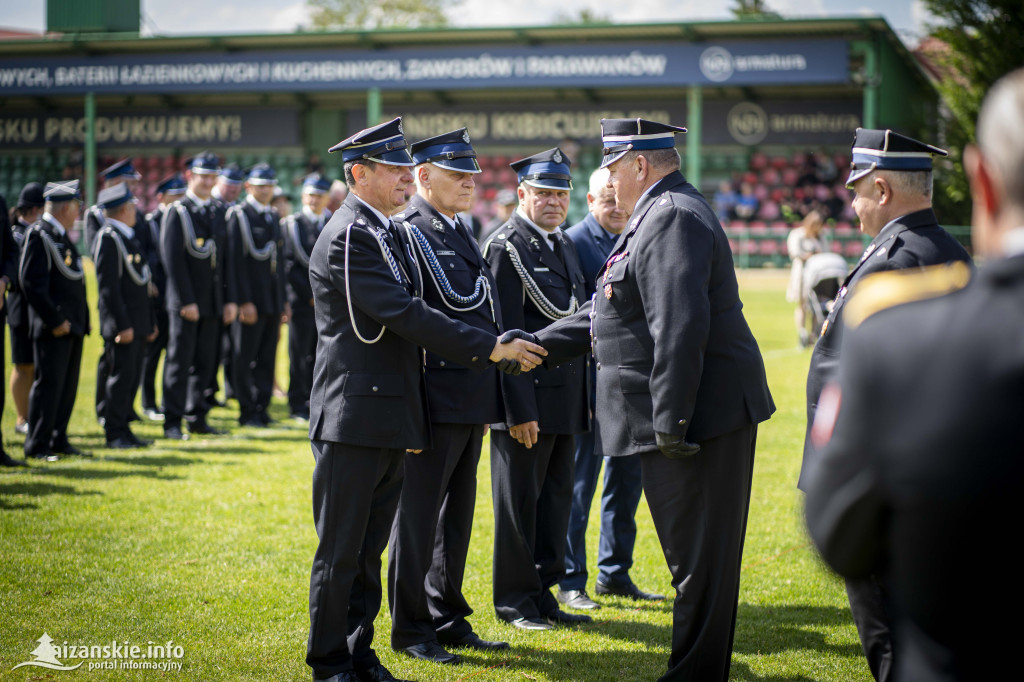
{"x":608,"y":270}
{"x":67,"y":259}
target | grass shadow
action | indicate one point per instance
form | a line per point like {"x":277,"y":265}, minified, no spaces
{"x":33,"y":489}
{"x":575,"y":665}
{"x":81,"y":473}
{"x":774,"y":629}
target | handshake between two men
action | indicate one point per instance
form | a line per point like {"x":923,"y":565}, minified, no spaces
{"x":517,"y":351}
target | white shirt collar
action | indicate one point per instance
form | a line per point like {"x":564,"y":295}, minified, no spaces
{"x":56,"y":224}
{"x":125,"y":230}
{"x":314,"y":216}
{"x":1013,"y":242}
{"x":202,"y":203}
{"x":544,"y":234}
{"x":384,"y":220}
{"x":263,"y":208}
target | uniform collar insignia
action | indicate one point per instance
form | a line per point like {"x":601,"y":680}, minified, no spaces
{"x":437,"y":225}
{"x":533,"y":241}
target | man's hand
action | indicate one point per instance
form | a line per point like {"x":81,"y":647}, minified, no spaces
{"x":229,"y":313}
{"x":125,"y":336}
{"x":525,"y":433}
{"x":152,"y":290}
{"x":675,"y":447}
{"x":516,"y":346}
{"x":247,"y":313}
{"x":190,"y":312}
{"x":63,"y":329}
{"x":153,"y":334}
{"x":287,"y":314}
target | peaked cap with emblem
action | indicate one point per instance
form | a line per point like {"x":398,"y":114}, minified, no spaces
{"x":314,"y":183}
{"x":888,"y":150}
{"x":547,"y":170}
{"x":31,"y":196}
{"x":204,"y":163}
{"x":172,"y":184}
{"x":621,"y":135}
{"x":261,"y":174}
{"x":112,"y":197}
{"x":384,"y":143}
{"x":451,"y":151}
{"x":121,"y":169}
{"x":62,"y":191}
{"x":232,"y":174}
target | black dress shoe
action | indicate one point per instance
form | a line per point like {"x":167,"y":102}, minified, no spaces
{"x":122,"y":443}
{"x":560,"y":617}
{"x":174,"y":433}
{"x":577,"y":599}
{"x":377,"y":673}
{"x":8,"y":461}
{"x":266,"y":418}
{"x":530,"y":624}
{"x":139,"y":442}
{"x":472,"y":641}
{"x":69,"y":449}
{"x":252,"y":422}
{"x":205,"y":429}
{"x":628,"y":590}
{"x":433,"y":652}
{"x":340,"y":677}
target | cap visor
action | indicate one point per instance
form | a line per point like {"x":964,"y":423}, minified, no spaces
{"x":466,"y":164}
{"x":856,"y":175}
{"x":397,"y":157}
{"x":612,"y":158}
{"x":550,"y":184}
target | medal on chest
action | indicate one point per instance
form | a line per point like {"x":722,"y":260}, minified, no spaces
{"x":608,"y":293}
{"x":67,"y":259}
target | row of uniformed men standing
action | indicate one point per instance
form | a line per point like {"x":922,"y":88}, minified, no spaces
{"x":172,"y":279}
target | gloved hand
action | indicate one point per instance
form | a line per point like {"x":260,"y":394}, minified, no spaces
{"x":513,"y":334}
{"x":509,"y":366}
{"x":675,"y":447}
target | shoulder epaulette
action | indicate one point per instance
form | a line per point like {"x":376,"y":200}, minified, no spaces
{"x":883,"y":290}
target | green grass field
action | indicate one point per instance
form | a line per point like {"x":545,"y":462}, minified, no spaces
{"x":208,"y":543}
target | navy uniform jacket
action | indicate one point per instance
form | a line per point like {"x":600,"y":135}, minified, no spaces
{"x":456,"y":394}
{"x":16,"y":307}
{"x":122,"y":302}
{"x":260,"y":282}
{"x":9,"y":255}
{"x":922,"y":479}
{"x":192,"y":278}
{"x":300,"y":235}
{"x":373,"y":394}
{"x":556,"y":397}
{"x":52,"y":281}
{"x":913,"y":241}
{"x":674,"y":353}
{"x":156,"y":265}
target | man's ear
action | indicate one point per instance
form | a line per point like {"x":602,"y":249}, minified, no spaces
{"x":984,"y":188}
{"x":883,"y":188}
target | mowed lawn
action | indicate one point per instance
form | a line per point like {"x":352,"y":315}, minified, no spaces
{"x":208,"y":544}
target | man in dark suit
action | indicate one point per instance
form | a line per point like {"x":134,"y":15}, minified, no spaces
{"x":680,"y":382}
{"x":368,"y":404}
{"x":920,"y":477}
{"x":301,"y":230}
{"x":54,"y":286}
{"x":126,"y":314}
{"x":8,"y":273}
{"x":430,"y":537}
{"x":538,"y":280}
{"x":891,"y":177}
{"x":168,"y":191}
{"x":257,"y":255}
{"x":594,"y":239}
{"x":193,"y":245}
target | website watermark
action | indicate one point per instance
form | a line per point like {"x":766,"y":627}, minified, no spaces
{"x":115,"y":655}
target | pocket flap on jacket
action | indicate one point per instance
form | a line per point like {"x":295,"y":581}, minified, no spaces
{"x":635,"y":379}
{"x":359,"y":383}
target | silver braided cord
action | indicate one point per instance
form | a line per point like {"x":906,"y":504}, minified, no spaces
{"x":545,"y":306}
{"x":388,"y":258}
{"x":481,"y":290}
{"x":142,"y":279}
{"x":207,"y":250}
{"x":292,"y":229}
{"x":52,"y":255}
{"x":269,"y":249}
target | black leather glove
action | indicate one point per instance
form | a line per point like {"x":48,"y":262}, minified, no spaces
{"x":675,"y":447}
{"x":509,"y":367}
{"x":513,"y":334}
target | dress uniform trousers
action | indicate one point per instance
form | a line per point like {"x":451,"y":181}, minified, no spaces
{"x":52,"y":396}
{"x":301,"y":354}
{"x":353,"y":531}
{"x":188,"y":367}
{"x":124,"y":363}
{"x":253,"y":365}
{"x":531,"y":488}
{"x":433,"y":540}
{"x":151,"y":359}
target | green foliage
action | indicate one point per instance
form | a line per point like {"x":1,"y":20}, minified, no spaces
{"x":209,"y":543}
{"x":377,"y":14}
{"x":745,"y":10}
{"x":984,"y":38}
{"x":584,"y":17}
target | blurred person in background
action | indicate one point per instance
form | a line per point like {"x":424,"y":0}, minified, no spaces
{"x":803,"y":242}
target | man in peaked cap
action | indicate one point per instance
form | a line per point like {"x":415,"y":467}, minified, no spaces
{"x":200,"y":297}
{"x":919,"y":475}
{"x":368,"y":404}
{"x":680,"y":382}
{"x":229,"y":185}
{"x":257,"y":258}
{"x":27,"y":211}
{"x":891,"y":176}
{"x":301,"y":230}
{"x":430,"y":537}
{"x":126,"y":312}
{"x":539,"y":280}
{"x":170,"y":189}
{"x":230,"y":181}
{"x":54,"y":286}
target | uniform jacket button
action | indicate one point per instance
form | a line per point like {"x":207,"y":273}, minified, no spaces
{"x":682,"y":421}
{"x":441,"y":363}
{"x":599,"y":365}
{"x":536,"y":382}
{"x":475,"y":358}
{"x":376,"y":388}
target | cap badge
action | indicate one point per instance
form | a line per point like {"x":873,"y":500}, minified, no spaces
{"x":465,"y":136}
{"x":557,"y":157}
{"x":400,"y":128}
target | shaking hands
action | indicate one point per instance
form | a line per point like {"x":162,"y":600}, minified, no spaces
{"x":517,"y":351}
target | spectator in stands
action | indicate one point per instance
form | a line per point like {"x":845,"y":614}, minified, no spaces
{"x":746,"y":202}
{"x":725,"y":201}
{"x":803,"y":242}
